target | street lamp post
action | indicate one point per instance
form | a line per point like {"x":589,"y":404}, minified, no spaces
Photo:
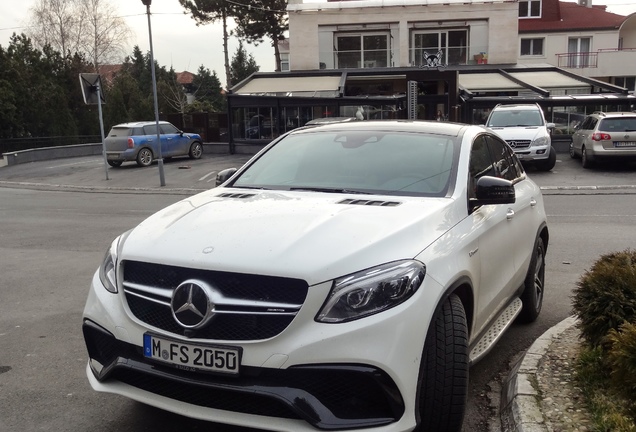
{"x":162,"y":179}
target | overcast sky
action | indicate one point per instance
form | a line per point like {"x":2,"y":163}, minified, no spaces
{"x":177,"y":41}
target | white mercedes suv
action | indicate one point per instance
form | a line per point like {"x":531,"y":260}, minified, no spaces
{"x":345,"y":278}
{"x":524,"y":128}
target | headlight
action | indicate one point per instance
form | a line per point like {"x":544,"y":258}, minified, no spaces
{"x":371,"y":291}
{"x":541,"y":141}
{"x":108,"y":269}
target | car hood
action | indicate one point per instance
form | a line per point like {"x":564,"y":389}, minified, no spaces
{"x":307,"y":235}
{"x":520,"y":133}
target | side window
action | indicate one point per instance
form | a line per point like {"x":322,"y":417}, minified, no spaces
{"x":150,"y":130}
{"x":480,"y":163}
{"x":593,"y":122}
{"x":168,"y":129}
{"x":503,"y":162}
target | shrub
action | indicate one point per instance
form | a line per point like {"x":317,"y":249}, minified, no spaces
{"x":622,"y":359}
{"x":605,"y":296}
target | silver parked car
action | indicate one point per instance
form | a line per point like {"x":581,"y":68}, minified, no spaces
{"x":138,"y":142}
{"x":605,"y":135}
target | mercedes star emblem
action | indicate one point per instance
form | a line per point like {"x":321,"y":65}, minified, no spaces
{"x":191,"y":304}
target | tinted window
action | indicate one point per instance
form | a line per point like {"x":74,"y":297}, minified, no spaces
{"x":480,"y":163}
{"x":169,"y":129}
{"x":150,"y":130}
{"x":119,"y":132}
{"x":503,"y":162}
{"x":618,"y":124}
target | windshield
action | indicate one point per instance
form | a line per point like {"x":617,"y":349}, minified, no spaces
{"x":512,"y":118}
{"x":356,"y":162}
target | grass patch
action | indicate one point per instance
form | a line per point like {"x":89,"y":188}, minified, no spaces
{"x":610,"y":411}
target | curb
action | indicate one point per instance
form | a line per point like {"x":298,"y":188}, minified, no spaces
{"x":520,"y":407}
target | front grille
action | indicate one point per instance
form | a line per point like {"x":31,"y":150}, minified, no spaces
{"x":149,"y":289}
{"x":519,"y":144}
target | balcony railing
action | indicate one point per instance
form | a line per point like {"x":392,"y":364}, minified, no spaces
{"x":420,"y":57}
{"x":578,"y":60}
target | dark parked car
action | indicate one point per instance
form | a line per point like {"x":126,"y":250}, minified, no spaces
{"x":138,"y":142}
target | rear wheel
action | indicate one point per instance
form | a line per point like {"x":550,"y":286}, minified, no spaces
{"x":115,"y":163}
{"x":585,"y":160}
{"x":196,"y":150}
{"x":144,"y":157}
{"x":547,"y":164}
{"x":532,"y":296}
{"x":443,"y":380}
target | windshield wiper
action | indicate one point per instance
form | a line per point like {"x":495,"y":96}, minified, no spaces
{"x":329,"y":190}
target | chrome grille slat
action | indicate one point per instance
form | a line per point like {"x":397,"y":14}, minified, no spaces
{"x":246,"y":307}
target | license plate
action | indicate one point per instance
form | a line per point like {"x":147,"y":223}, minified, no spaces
{"x":192,"y":357}
{"x":624,"y":143}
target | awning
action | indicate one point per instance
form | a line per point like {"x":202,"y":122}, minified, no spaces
{"x":549,"y":79}
{"x":487,"y":82}
{"x":289,"y":85}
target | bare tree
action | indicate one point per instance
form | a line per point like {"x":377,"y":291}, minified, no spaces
{"x":88,"y":27}
{"x":54,"y":23}
{"x":104,"y":34}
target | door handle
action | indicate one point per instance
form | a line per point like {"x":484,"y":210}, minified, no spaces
{"x":533,"y":202}
{"x":510,"y":214}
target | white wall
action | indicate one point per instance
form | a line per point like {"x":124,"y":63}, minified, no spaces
{"x":492,"y":25}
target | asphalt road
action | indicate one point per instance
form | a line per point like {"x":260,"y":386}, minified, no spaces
{"x":54,"y":230}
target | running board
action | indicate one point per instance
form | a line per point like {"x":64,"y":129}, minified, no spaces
{"x":496,"y":330}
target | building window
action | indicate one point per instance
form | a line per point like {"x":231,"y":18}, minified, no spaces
{"x":628,"y":82}
{"x":284,"y":62}
{"x":532,"y":47}
{"x":579,"y":52}
{"x":366,"y":50}
{"x":445,"y":47}
{"x":529,"y":8}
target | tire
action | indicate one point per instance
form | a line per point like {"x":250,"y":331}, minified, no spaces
{"x":115,"y":163}
{"x":443,"y":380}
{"x":534,"y":285}
{"x":571,"y":150}
{"x":196,"y":150}
{"x":547,"y":164}
{"x":144,"y":157}
{"x":585,"y":160}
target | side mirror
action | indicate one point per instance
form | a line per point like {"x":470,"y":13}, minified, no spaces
{"x":224,"y":175}
{"x":550,"y":126}
{"x":493,"y":190}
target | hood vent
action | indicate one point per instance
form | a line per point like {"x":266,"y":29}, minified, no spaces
{"x":237,"y":195}
{"x":376,"y":203}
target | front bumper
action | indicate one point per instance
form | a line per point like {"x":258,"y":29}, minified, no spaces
{"x":533,"y":153}
{"x":360,"y":375}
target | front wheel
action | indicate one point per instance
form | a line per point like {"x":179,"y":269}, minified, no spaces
{"x":144,"y":157}
{"x":196,"y":150}
{"x":534,"y":285}
{"x":443,"y":380}
{"x":547,"y":164}
{"x":115,"y":163}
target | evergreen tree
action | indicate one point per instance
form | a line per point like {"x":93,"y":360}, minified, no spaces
{"x":243,"y":65}
{"x":208,"y":92}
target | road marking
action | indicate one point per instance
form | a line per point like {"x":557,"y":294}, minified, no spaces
{"x":207,"y":175}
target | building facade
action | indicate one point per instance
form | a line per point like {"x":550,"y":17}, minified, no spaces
{"x":424,"y":59}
